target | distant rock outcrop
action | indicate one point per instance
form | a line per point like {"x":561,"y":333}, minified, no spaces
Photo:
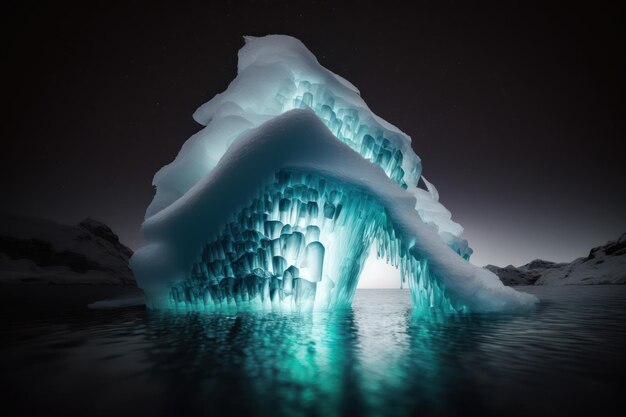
{"x":604,"y":265}
{"x":527,"y":274}
{"x":37,"y":251}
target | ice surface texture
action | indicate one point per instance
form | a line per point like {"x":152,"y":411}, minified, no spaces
{"x":275,"y":203}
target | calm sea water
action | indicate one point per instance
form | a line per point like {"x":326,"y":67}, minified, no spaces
{"x":377,"y":359}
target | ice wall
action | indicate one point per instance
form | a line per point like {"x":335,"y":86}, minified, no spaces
{"x":276,"y":202}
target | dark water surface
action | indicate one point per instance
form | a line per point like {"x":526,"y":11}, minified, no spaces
{"x":377,"y":359}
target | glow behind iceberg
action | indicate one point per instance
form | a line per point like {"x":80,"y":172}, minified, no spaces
{"x":275,"y":203}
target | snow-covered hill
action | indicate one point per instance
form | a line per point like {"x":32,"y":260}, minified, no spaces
{"x":604,"y":265}
{"x":36,"y":251}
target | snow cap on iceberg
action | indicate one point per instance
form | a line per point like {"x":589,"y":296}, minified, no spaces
{"x":276,"y":201}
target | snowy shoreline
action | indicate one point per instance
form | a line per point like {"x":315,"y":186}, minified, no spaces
{"x":604,"y":265}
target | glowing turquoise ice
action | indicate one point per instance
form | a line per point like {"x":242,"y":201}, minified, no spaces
{"x":282,"y":253}
{"x":344,"y":123}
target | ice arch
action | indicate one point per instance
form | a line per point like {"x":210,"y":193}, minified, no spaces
{"x":276,"y":202}
{"x":257,"y":206}
{"x":302,"y":242}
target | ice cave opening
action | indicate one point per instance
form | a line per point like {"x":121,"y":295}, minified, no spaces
{"x":301,"y":243}
{"x":377,"y":273}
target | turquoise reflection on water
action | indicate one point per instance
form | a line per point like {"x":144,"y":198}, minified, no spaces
{"x":347,"y":362}
{"x":325,"y":363}
{"x":375,"y":359}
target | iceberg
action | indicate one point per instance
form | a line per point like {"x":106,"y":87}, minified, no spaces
{"x":275,"y":203}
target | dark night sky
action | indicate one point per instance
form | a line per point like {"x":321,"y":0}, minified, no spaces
{"x":516,"y":111}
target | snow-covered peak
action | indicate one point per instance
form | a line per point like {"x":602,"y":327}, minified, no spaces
{"x":42,"y":251}
{"x":605,"y":264}
{"x":277,"y":73}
